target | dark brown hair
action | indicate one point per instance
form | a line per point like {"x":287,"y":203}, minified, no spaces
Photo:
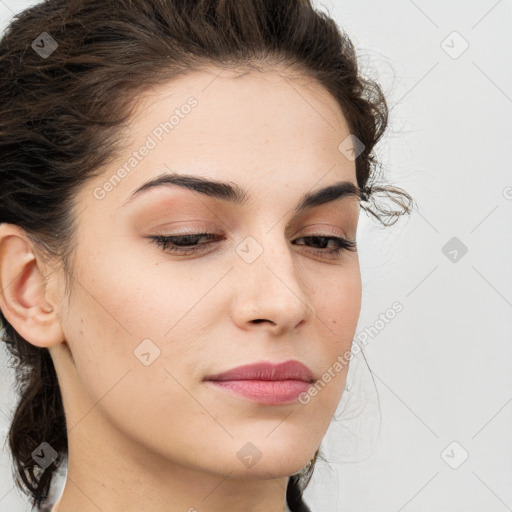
{"x":61,"y":122}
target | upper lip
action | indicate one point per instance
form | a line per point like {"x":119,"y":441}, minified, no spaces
{"x":288,"y":370}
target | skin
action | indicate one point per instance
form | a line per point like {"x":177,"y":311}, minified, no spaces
{"x":157,"y":438}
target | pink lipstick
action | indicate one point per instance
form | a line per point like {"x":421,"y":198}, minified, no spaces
{"x":266,"y":383}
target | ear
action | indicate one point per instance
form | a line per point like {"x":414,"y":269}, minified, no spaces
{"x":25,"y":298}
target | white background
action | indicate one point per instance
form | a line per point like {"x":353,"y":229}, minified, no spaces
{"x":442,"y":366}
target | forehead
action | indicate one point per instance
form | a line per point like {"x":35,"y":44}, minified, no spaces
{"x":261,"y":112}
{"x":252,"y":128}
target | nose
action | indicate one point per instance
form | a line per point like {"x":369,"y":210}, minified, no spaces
{"x":270,"y":291}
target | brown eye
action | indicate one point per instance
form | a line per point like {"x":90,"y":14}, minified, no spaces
{"x":343,"y":244}
{"x":182,"y":244}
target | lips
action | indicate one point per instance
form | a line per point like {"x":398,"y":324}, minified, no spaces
{"x":265,"y":383}
{"x":264,"y":371}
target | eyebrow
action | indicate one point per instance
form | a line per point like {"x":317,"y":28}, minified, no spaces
{"x":233,"y":193}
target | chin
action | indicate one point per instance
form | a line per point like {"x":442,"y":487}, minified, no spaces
{"x":255,"y":464}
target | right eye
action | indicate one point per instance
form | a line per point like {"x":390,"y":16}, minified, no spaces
{"x":182,"y":244}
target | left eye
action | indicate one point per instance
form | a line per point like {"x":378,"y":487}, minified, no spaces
{"x":189,"y":244}
{"x":181,"y":243}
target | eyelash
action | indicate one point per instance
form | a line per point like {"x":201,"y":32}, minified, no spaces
{"x":168,"y":243}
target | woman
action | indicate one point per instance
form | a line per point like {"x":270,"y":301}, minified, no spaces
{"x":181,"y":183}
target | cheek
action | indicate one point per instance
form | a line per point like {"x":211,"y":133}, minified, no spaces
{"x":123,"y":308}
{"x":337,"y":306}
{"x":125,"y":295}
{"x":108,"y":319}
{"x":337,"y":302}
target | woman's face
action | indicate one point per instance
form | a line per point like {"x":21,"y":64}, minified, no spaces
{"x":145,"y":326}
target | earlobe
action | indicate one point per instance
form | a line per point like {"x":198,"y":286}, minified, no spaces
{"x":24,"y":295}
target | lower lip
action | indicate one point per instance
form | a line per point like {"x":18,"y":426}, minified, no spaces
{"x":272,"y":392}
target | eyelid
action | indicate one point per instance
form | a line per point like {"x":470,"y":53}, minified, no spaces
{"x":180,"y":231}
{"x":323,"y":229}
{"x":166,"y":229}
